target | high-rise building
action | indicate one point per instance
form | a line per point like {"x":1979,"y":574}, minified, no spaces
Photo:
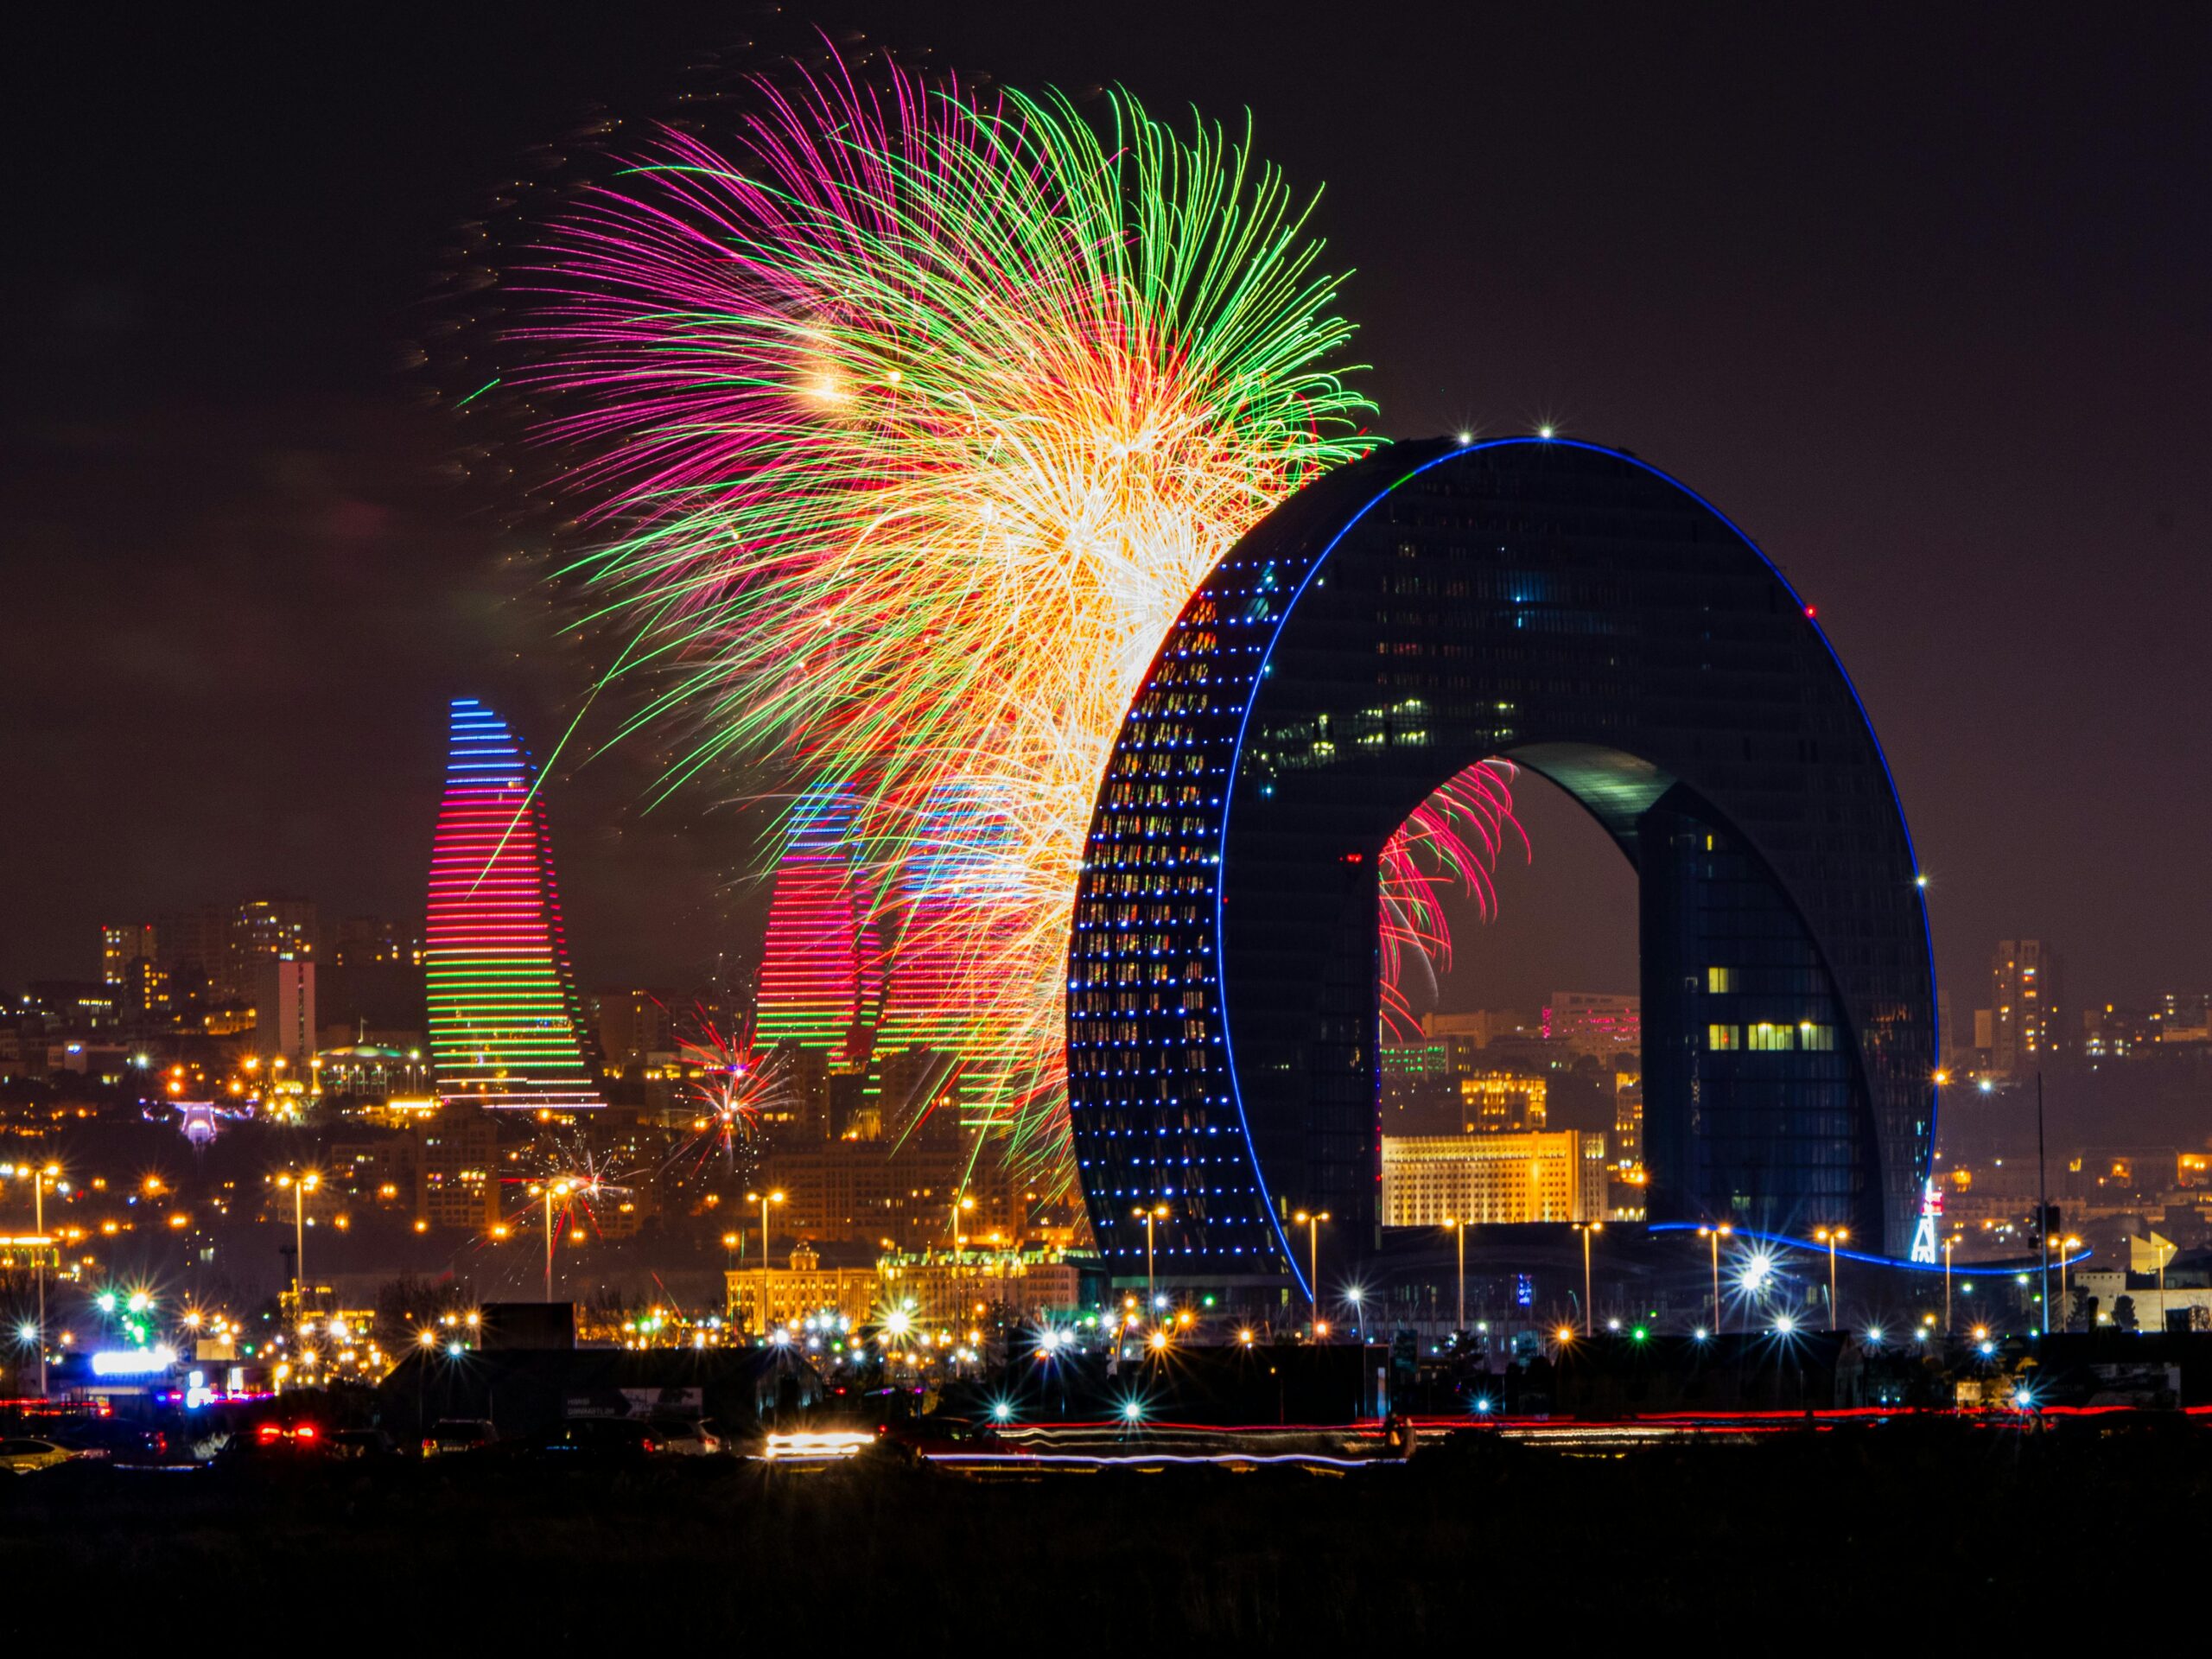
{"x":634,"y":1028}
{"x":195,"y":953}
{"x":261,"y":929}
{"x":1499,"y":1179}
{"x":121,"y":944}
{"x":804,"y":1077}
{"x":821,"y":979}
{"x":2026,"y":1030}
{"x":506,"y":1025}
{"x":284,"y":1012}
{"x":1398,"y":620}
{"x":457,"y":1176}
{"x":1628,"y":1119}
{"x":942,"y":962}
{"x":363,"y":941}
{"x":131,"y":967}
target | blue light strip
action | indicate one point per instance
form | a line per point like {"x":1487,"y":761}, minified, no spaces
{"x":1972,"y":1269}
{"x":1228,"y":787}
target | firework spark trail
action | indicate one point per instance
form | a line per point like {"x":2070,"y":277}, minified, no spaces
{"x":1452,"y":839}
{"x":737,"y":1083}
{"x":909,"y":422}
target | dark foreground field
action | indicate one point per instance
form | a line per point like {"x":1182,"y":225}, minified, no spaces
{"x":1477,"y":1536}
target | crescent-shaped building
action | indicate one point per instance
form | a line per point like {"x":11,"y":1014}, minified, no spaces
{"x":1578,"y":612}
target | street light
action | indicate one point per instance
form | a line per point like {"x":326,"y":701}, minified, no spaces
{"x":1458,"y":1225}
{"x":553,"y":1190}
{"x":1831,"y":1236}
{"x":301,"y":1185}
{"x":764,"y":1199}
{"x":1716,"y":1234}
{"x":1157,"y":1213}
{"x":2067,"y":1246}
{"x":1586,"y":1228}
{"x":1311,"y":1224}
{"x":39,"y":1177}
{"x":1947,"y":1285}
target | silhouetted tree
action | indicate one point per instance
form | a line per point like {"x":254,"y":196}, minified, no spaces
{"x":2085,"y":1310}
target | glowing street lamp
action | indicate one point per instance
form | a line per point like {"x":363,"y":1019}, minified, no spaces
{"x":764,"y":1199}
{"x":39,"y":1177}
{"x":1158,"y":1212}
{"x":1586,"y":1228}
{"x":1716,"y":1234}
{"x":1458,"y":1225}
{"x":1831,"y":1236}
{"x":1311,"y":1224}
{"x":301,"y":1185}
{"x":559,"y":1189}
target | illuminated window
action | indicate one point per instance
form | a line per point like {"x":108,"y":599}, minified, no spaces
{"x":1719,"y":981}
{"x":1770,"y":1037}
{"x":1724,"y":1037}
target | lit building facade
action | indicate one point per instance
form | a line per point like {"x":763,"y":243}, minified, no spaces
{"x":1499,"y":1179}
{"x":821,"y":982}
{"x":2024,"y":1027}
{"x":1493,"y":1102}
{"x":1601,"y":1027}
{"x":1579,"y":612}
{"x":283,"y":1010}
{"x":506,"y":1025}
{"x":761,"y":1299}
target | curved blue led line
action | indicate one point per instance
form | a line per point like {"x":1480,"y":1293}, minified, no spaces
{"x":1237,"y":755}
{"x":1979,"y":1269}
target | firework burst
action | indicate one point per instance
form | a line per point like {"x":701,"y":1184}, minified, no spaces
{"x":908,"y":420}
{"x":732,"y":1085}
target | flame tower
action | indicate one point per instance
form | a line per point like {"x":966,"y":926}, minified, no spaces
{"x":506,"y":1025}
{"x":821,"y":965}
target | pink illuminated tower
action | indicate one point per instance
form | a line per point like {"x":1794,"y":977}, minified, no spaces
{"x":506,"y":1025}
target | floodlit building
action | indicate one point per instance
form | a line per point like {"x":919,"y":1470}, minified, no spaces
{"x":1499,"y":1179}
{"x":506,"y":1025}
{"x":283,"y":1009}
{"x":2025,"y":1030}
{"x":805,"y":1289}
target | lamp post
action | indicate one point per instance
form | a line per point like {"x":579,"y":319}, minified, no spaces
{"x":1716,"y":1234}
{"x":2067,"y":1246}
{"x":2043,"y":1219}
{"x":1458,"y":1225}
{"x":39,"y":1179}
{"x":1946,"y":1287}
{"x":553,"y":1190}
{"x":1586,"y":1228}
{"x":1311,"y":1224}
{"x":1831,"y":1236}
{"x":301,"y":1185}
{"x":764,"y":1199}
{"x":1158,"y":1212}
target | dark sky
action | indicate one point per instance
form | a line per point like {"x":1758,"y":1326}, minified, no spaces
{"x":1917,"y":296}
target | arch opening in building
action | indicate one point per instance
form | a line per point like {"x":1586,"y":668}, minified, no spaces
{"x":1576,"y":611}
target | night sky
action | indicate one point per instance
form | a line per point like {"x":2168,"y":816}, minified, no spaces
{"x":1918,"y":299}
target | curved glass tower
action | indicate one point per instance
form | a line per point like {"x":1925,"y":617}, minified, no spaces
{"x":1581,"y":613}
{"x":506,"y":1025}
